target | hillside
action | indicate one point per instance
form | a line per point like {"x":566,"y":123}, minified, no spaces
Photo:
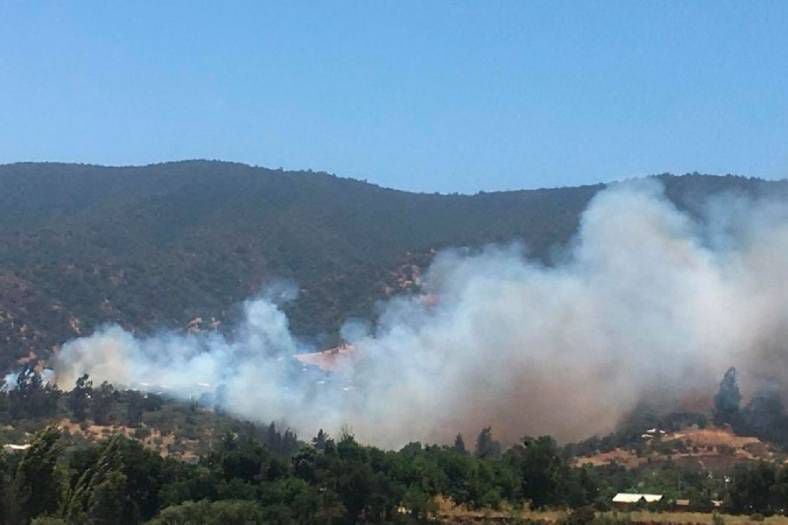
{"x":180,"y":244}
{"x":709,"y":449}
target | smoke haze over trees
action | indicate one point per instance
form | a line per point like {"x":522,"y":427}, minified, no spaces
{"x":727,"y":399}
{"x":626,"y":311}
{"x":648,"y":304}
{"x":763,"y":416}
{"x":242,"y":480}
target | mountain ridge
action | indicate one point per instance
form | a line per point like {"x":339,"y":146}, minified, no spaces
{"x":162,"y":245}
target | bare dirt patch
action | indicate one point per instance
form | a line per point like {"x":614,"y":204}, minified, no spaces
{"x":711,"y":448}
{"x":153,"y":438}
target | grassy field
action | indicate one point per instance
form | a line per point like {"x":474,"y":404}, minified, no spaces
{"x":450,"y":514}
{"x":698,"y":517}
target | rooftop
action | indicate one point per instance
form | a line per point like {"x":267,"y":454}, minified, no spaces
{"x":625,"y":497}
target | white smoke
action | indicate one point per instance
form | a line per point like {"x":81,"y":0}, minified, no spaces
{"x":645,"y":302}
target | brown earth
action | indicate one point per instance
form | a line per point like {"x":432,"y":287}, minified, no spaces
{"x":712,"y":448}
{"x":151,"y":438}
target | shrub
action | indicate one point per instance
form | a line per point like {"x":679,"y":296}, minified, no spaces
{"x":226,"y":512}
{"x":612,"y":519}
{"x":47,"y":520}
{"x":580,"y":516}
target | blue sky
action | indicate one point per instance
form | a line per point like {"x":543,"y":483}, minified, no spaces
{"x":428,"y":96}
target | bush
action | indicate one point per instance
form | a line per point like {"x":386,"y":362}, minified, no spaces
{"x":580,"y":516}
{"x":226,"y":512}
{"x":491,"y":499}
{"x":612,"y":519}
{"x":141,"y":432}
{"x":418,"y":502}
{"x":47,"y":520}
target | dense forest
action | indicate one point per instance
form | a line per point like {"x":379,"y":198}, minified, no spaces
{"x":180,"y":244}
{"x":263,"y":474}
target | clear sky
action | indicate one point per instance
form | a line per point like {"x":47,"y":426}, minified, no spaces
{"x":429,"y":95}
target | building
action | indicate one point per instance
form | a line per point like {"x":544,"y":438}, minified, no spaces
{"x":11,"y":448}
{"x":686,"y":504}
{"x":626,"y":500}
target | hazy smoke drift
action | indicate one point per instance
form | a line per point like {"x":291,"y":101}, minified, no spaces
{"x":645,"y":301}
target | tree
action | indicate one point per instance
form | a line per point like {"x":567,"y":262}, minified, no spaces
{"x":108,"y":501}
{"x":4,"y":468}
{"x":319,"y":441}
{"x":280,"y":443}
{"x":78,"y":400}
{"x":459,"y":444}
{"x":418,"y":502}
{"x":135,"y":408}
{"x":764,"y":416}
{"x":486,"y":446}
{"x":227,"y":512}
{"x":752,"y":489}
{"x":727,"y":399}
{"x":101,"y":405}
{"x":36,"y":485}
{"x":542,"y":470}
{"x":354,"y":487}
{"x":124,"y":479}
{"x":32,"y":396}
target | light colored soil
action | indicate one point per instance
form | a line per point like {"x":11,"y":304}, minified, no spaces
{"x":712,"y":448}
{"x":155,"y":440}
{"x":328,"y":360}
{"x":699,"y":517}
{"x":713,"y":437}
{"x":619,"y":455}
{"x":448,"y":512}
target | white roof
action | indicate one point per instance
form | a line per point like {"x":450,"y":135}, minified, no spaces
{"x":624,"y":497}
{"x":13,"y":448}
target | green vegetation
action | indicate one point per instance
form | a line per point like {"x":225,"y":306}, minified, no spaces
{"x":178,"y":244}
{"x":88,"y":414}
{"x":243,"y":481}
{"x":331,"y":482}
{"x":764,"y":416}
{"x":237,"y":472}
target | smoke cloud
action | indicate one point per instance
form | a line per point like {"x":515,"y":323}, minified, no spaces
{"x":646,"y":302}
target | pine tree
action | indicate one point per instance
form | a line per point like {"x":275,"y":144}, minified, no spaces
{"x":459,"y":444}
{"x":319,"y":441}
{"x":486,"y":446}
{"x":727,"y":399}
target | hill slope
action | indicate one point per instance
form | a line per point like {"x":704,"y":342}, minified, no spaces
{"x":160,"y":245}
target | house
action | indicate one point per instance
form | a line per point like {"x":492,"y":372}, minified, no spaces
{"x":626,"y":500}
{"x":10,"y":447}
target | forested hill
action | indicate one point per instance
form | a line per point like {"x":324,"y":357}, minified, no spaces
{"x":161,"y":245}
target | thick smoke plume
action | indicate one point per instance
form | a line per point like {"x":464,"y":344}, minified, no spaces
{"x":647,"y":302}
